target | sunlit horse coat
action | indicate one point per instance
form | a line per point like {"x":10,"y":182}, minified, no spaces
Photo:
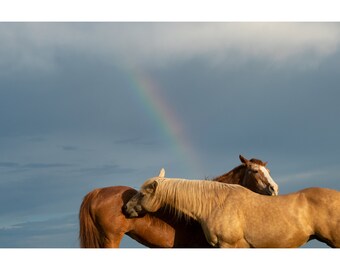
{"x":232,"y":216}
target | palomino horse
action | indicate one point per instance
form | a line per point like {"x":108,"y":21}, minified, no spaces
{"x":103,"y":224}
{"x":233,"y":216}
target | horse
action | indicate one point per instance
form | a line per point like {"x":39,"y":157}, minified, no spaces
{"x":233,"y":216}
{"x":103,"y":222}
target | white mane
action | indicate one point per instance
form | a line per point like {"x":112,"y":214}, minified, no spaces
{"x":201,"y":196}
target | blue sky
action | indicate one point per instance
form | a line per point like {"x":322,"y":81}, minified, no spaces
{"x":76,"y":112}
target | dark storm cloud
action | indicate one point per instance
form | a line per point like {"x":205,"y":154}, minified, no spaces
{"x":86,"y":96}
{"x":259,"y":110}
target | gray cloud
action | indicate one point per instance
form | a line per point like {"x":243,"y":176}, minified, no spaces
{"x":136,"y":141}
{"x":9,"y":165}
{"x":69,"y":148}
{"x":37,"y":45}
{"x":55,"y":232}
{"x":29,"y":166}
{"x":106,"y":170}
{"x":46,"y":165}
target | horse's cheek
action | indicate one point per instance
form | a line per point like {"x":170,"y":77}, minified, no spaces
{"x":147,"y":204}
{"x":144,"y":204}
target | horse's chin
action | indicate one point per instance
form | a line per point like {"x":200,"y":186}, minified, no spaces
{"x":267,"y":193}
{"x":270,"y":192}
{"x":133,"y":214}
{"x":274,"y":193}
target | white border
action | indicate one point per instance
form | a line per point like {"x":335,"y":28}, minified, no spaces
{"x":169,"y":10}
{"x":169,"y":258}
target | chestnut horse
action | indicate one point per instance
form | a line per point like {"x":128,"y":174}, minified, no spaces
{"x":233,"y":216}
{"x":103,"y":223}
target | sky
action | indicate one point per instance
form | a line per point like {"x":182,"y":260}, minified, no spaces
{"x":89,"y":105}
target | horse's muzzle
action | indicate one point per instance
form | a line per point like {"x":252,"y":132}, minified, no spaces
{"x":129,"y":212}
{"x":132,"y":211}
{"x":271,"y":191}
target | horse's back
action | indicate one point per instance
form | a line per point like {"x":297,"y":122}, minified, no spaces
{"x":102,"y":223}
{"x":118,"y":194}
{"x":320,"y":199}
{"x":324,"y":205}
{"x":108,"y":202}
{"x":320,"y":191}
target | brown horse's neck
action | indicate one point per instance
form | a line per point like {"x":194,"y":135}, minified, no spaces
{"x":235,"y":176}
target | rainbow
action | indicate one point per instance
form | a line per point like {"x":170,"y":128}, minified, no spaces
{"x":148,"y":91}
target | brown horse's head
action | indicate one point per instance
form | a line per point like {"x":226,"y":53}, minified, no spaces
{"x":144,"y":200}
{"x":257,"y":177}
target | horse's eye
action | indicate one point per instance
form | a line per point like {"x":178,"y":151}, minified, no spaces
{"x":252,"y":171}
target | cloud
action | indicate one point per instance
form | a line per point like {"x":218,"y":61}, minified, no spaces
{"x":106,"y":170}
{"x":135,"y":141}
{"x":37,"y":45}
{"x":53,"y":232}
{"x":46,"y":165}
{"x":29,"y":166}
{"x":9,"y":165}
{"x":69,"y":148}
{"x":223,"y":42}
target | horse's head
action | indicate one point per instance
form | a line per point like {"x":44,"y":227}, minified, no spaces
{"x":257,"y":177}
{"x":144,"y":200}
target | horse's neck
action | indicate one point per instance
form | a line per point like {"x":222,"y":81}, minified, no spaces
{"x":194,"y":202}
{"x":235,"y":176}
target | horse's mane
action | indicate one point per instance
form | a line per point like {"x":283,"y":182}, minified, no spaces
{"x":257,"y":161}
{"x":201,"y":195}
{"x":229,"y":177}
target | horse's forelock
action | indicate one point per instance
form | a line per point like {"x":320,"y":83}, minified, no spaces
{"x":258,"y":162}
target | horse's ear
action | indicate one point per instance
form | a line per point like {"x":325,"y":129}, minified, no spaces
{"x":265,"y":163}
{"x":243,"y":160}
{"x":162,"y":173}
{"x":151,"y":188}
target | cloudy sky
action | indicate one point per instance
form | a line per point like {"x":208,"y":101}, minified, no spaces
{"x":88,"y":105}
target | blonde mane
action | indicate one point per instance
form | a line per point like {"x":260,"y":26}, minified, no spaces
{"x":201,"y":196}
